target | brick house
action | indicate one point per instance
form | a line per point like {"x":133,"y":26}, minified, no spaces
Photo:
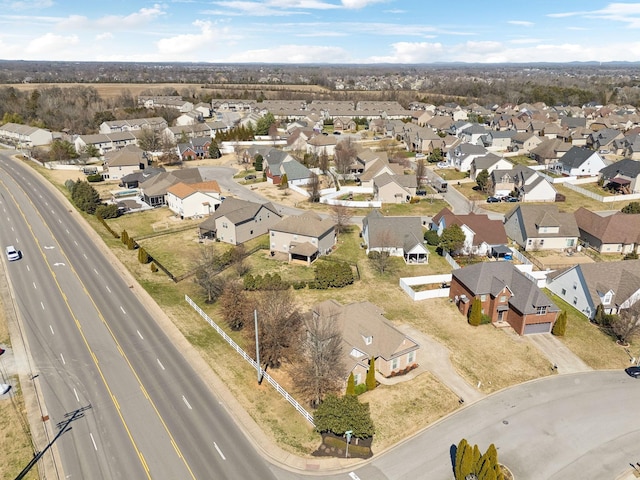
{"x":506,"y":294}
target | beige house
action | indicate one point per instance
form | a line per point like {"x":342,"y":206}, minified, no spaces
{"x":367,"y":334}
{"x":541,"y":227}
{"x":616,"y":233}
{"x":122,"y":162}
{"x":303,"y":237}
{"x":394,"y":188}
{"x":237,"y":221}
{"x":195,"y":199}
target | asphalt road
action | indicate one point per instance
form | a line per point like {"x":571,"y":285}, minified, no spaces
{"x":94,"y":343}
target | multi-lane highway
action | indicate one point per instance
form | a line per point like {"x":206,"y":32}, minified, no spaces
{"x":94,"y":343}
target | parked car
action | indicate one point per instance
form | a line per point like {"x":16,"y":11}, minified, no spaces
{"x":633,"y":371}
{"x":493,"y":200}
{"x":250,"y":177}
{"x":509,"y":199}
{"x":12,"y":253}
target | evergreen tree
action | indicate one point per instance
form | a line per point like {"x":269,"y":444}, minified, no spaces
{"x":131,"y":244}
{"x":285,"y":181}
{"x":371,"y":374}
{"x":452,"y":238}
{"x":85,"y":197}
{"x":339,"y":414}
{"x":214,"y":150}
{"x":143,"y":256}
{"x":599,"y":316}
{"x":154,"y":267}
{"x":124,"y":237}
{"x":351,"y":385}
{"x":259,"y":163}
{"x":467,"y":465}
{"x":459,"y":454}
{"x":475,"y":314}
{"x":560,"y":327}
{"x":482,"y":179}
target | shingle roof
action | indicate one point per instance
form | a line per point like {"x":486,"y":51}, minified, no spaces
{"x":309,"y":224}
{"x":625,"y":167}
{"x":386,"y":232}
{"x":534,"y":216}
{"x":576,"y":156}
{"x":237,"y":211}
{"x":617,"y":228}
{"x":183,"y":190}
{"x":491,"y":277}
{"x":486,"y":230}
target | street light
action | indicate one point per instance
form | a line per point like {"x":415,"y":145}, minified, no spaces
{"x":348,"y":433}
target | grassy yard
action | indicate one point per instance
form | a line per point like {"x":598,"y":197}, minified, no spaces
{"x":594,"y":347}
{"x":574,"y":200}
{"x":451,"y":174}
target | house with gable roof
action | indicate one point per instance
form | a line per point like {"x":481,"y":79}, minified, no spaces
{"x":580,"y":162}
{"x":394,"y":188}
{"x":320,"y":144}
{"x":609,"y":233}
{"x":489,"y":162}
{"x":614,"y":285}
{"x":277,"y":163}
{"x":541,"y":227}
{"x":481,"y":233}
{"x":506,"y":295}
{"x":154,"y":189}
{"x":237,"y":221}
{"x":525,"y":142}
{"x":122,"y":162}
{"x":462,"y":155}
{"x":189,"y":200}
{"x":367,"y":334}
{"x":26,"y":135}
{"x":603,"y":139}
{"x":303,"y":237}
{"x":376,"y":167}
{"x":111,"y":126}
{"x":526,"y":182}
{"x":622,"y":176}
{"x":397,"y":236}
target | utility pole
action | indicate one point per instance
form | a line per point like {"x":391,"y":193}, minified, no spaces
{"x":255,"y":320}
{"x":62,"y":427}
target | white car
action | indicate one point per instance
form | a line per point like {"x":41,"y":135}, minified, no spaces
{"x":12,"y":253}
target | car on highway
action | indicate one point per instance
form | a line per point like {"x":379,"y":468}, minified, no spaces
{"x":12,"y":253}
{"x":633,"y":371}
{"x":493,"y":200}
{"x":509,"y":199}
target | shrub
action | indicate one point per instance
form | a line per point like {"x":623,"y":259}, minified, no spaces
{"x":560,"y":327}
{"x":108,"y":211}
{"x":154,"y":267}
{"x":485,"y":319}
{"x":94,"y":178}
{"x":475,"y":314}
{"x":333,"y":275}
{"x":631,"y":256}
{"x":432,"y":237}
{"x":360,"y":388}
{"x":143,"y":256}
{"x":299,"y":285}
{"x":351,"y":386}
{"x":131,"y":244}
{"x":371,"y":375}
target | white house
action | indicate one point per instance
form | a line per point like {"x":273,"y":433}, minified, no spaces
{"x":25,"y":135}
{"x":580,"y":162}
{"x":462,"y":156}
{"x":194,"y":199}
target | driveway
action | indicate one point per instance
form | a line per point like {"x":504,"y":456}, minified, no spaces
{"x":557,"y":353}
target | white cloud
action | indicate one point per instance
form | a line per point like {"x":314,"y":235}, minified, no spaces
{"x":292,"y":54}
{"x":26,"y":4}
{"x":270,"y":8}
{"x":141,"y":17}
{"x":104,"y":36}
{"x":44,"y":46}
{"x":357,"y":4}
{"x":174,"y":48}
{"x":521,"y":23}
{"x":628,"y":13}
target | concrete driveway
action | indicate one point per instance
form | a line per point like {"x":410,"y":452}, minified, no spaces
{"x":557,"y":353}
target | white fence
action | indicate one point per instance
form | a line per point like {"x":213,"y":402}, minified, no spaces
{"x":330,"y":197}
{"x":602,"y":198}
{"x":521,"y":258}
{"x":407,"y":282}
{"x":253,"y":363}
{"x":451,"y":261}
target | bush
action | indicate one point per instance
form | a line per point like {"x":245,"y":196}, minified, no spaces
{"x":333,"y":275}
{"x":475,"y":313}
{"x":560,"y":327}
{"x":94,"y":178}
{"x":154,"y":267}
{"x":360,"y":388}
{"x":108,"y":211}
{"x":299,"y":285}
{"x":432,"y":237}
{"x":631,"y":256}
{"x":485,"y":319}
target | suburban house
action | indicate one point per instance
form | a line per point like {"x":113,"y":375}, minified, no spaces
{"x":580,"y":162}
{"x":106,"y":142}
{"x":195,"y":148}
{"x":122,"y":162}
{"x":602,"y":139}
{"x":25,"y":135}
{"x":193,"y":199}
{"x":344,"y":123}
{"x":190,"y":118}
{"x":394,"y":188}
{"x":367,"y":334}
{"x":237,"y":221}
{"x":614,"y":285}
{"x":526,"y":182}
{"x":154,"y":189}
{"x":524,"y":142}
{"x":134,"y":179}
{"x":278,"y":163}
{"x":461,"y":156}
{"x":397,"y":236}
{"x":541,"y":227}
{"x":549,"y":151}
{"x":622,"y":176}
{"x":609,"y":233}
{"x":322,"y":145}
{"x":303,"y":237}
{"x":498,"y":141}
{"x":377,"y":167}
{"x":112,"y":126}
{"x":506,"y":295}
{"x":481,"y":233}
{"x":489,"y":162}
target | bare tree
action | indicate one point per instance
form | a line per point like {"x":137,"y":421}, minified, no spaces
{"x":381,"y":256}
{"x":420,"y":172}
{"x":319,"y":369}
{"x":323,"y":161}
{"x":313,"y":187}
{"x":235,"y":305}
{"x":341,"y":216}
{"x":279,"y":324}
{"x":626,"y":325}
{"x":344,"y":155}
{"x":207,"y":269}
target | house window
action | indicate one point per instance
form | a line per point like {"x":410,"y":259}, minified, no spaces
{"x":529,"y":242}
{"x":356,"y":378}
{"x":483,"y":298}
{"x":541,"y":241}
{"x":368,"y":340}
{"x":503,"y":298}
{"x":575,"y":300}
{"x":575,"y":285}
{"x":411,"y":357}
{"x":250,"y":232}
{"x":607,"y":298}
{"x":273,"y":234}
{"x":564,"y":292}
{"x":541,"y":310}
{"x":394,"y":364}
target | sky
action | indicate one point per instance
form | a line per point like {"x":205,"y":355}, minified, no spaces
{"x":320,"y":31}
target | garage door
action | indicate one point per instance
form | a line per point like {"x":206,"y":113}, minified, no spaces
{"x":537,"y":328}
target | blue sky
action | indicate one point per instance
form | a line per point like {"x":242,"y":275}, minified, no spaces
{"x":320,"y":31}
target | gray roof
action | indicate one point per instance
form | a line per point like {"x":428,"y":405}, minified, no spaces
{"x":534,"y":216}
{"x":236,"y":211}
{"x":387,"y":232}
{"x":490,"y":278}
{"x":576,"y":156}
{"x":625,"y":167}
{"x":309,"y":224}
{"x":485,"y":162}
{"x":159,"y":184}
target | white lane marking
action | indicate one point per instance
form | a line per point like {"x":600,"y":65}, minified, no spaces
{"x":219,"y":451}
{"x":108,"y":289}
{"x":42,"y":305}
{"x":85,"y":256}
{"x":66,"y":230}
{"x":12,"y":229}
{"x":94,"y":442}
{"x":96,"y":271}
{"x":46,"y":203}
{"x":51,"y":328}
{"x":76,"y":243}
{"x":186,"y":402}
{"x":160,"y":363}
{"x":34,"y":285}
{"x":354,"y":476}
{"x":28,"y":269}
{"x":76,"y":393}
{"x":139,"y":334}
{"x":49,"y":247}
{"x":122,"y":308}
{"x":63,"y":362}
